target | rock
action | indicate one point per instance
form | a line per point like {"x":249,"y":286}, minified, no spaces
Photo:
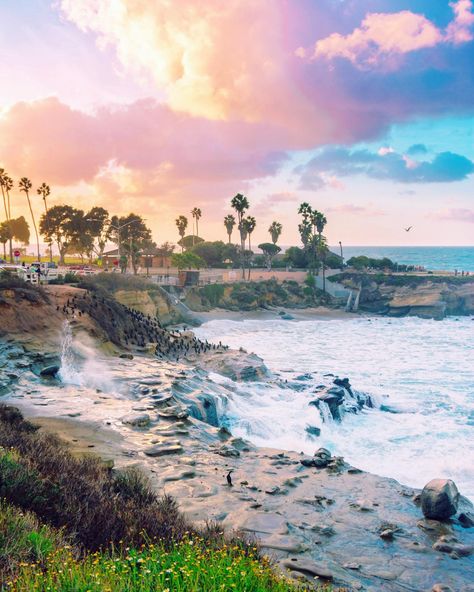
{"x":449,"y":544}
{"x":138,"y":420}
{"x":466,"y":519}
{"x":50,"y":370}
{"x":126,"y":356}
{"x":227,"y":451}
{"x":287,"y":317}
{"x":306,"y":566}
{"x":174,"y":412}
{"x":439,"y":499}
{"x":354,"y":566}
{"x":321,"y":459}
{"x":313,"y":431}
{"x":163,"y":450}
{"x":265,"y":523}
{"x":441,"y":588}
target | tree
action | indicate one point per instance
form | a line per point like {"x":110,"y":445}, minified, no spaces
{"x":20,"y":230}
{"x":241,"y":204}
{"x":275,"y":230}
{"x":187,"y":242}
{"x":59,"y":225}
{"x":229,"y":223}
{"x":249,"y":224}
{"x":6,"y":184}
{"x":98,"y":227}
{"x":44,"y":190}
{"x":132,"y":235}
{"x":181,"y":223}
{"x":5,"y":235}
{"x":319,"y":221}
{"x":188,"y":260}
{"x":166,"y":249}
{"x":211,"y":252}
{"x":196,"y":214}
{"x":25,"y":186}
{"x":311,"y":229}
{"x":270,"y":250}
{"x":296,"y":257}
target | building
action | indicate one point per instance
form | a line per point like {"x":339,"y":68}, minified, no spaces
{"x":111,"y":258}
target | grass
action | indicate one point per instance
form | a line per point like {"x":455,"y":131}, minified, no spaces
{"x":75,"y":525}
{"x":190,"y":566}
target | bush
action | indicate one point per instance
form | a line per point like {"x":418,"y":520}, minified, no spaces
{"x":213,"y":293}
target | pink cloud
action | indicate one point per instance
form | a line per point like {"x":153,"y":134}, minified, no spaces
{"x":455,"y":215}
{"x":382,"y":37}
{"x":355,"y":210}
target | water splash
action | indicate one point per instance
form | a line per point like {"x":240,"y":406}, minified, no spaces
{"x":69,"y":372}
{"x":82,"y":366}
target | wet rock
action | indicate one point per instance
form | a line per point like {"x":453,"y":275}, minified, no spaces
{"x":126,"y":356}
{"x":321,"y":459}
{"x":439,"y":499}
{"x":138,"y":420}
{"x":354,"y":566}
{"x":174,"y":412}
{"x":466,"y":519}
{"x":163,"y":450}
{"x":449,"y":544}
{"x":306,"y":566}
{"x":441,"y":588}
{"x":50,"y":370}
{"x":227,"y":451}
{"x":313,"y":431}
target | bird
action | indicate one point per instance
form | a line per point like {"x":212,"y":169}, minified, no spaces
{"x":229,"y":478}
{"x":408,"y":229}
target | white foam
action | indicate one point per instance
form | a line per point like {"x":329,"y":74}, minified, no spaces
{"x":422,"y":369}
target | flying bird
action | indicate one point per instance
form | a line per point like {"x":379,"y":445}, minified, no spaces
{"x":408,"y":229}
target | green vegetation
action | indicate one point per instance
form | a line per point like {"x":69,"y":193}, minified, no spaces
{"x":73,"y":524}
{"x":187,"y":260}
{"x":255,"y":295}
{"x":400,"y":280}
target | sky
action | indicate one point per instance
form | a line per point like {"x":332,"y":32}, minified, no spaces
{"x":363,"y":109}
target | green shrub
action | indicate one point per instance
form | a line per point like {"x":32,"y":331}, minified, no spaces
{"x":213,"y":293}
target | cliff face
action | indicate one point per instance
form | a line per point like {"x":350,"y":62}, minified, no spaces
{"x":425,"y":297}
{"x":151,"y":303}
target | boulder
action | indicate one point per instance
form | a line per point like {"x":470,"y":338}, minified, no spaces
{"x":50,"y":370}
{"x":163,"y":450}
{"x":138,"y":420}
{"x":126,"y":356}
{"x":439,"y":499}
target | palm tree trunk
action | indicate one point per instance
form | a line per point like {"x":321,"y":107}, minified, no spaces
{"x":34,"y":226}
{"x":250,"y":250}
{"x":197,"y":227}
{"x":9,"y":226}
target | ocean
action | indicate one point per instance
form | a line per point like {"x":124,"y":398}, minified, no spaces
{"x":420,"y":370}
{"x":433,"y":258}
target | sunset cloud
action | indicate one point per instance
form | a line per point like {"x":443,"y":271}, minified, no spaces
{"x":382,"y":37}
{"x":445,"y":167}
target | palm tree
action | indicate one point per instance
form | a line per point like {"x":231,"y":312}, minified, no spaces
{"x":241,"y":204}
{"x":25,"y":185}
{"x":196,"y":214}
{"x":44,"y":190}
{"x":182,"y":224}
{"x":7,"y":185}
{"x":3,"y":177}
{"x":275,"y":231}
{"x":319,"y":221}
{"x":249,"y":224}
{"x":229,"y":223}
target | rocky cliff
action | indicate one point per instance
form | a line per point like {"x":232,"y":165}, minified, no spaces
{"x":432,"y":297}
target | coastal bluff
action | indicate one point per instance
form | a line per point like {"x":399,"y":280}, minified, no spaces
{"x":430,"y":297}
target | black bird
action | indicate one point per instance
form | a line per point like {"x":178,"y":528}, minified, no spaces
{"x":229,"y":478}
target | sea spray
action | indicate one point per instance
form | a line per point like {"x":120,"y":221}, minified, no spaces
{"x":69,"y":373}
{"x":82,"y":365}
{"x":419,"y":370}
